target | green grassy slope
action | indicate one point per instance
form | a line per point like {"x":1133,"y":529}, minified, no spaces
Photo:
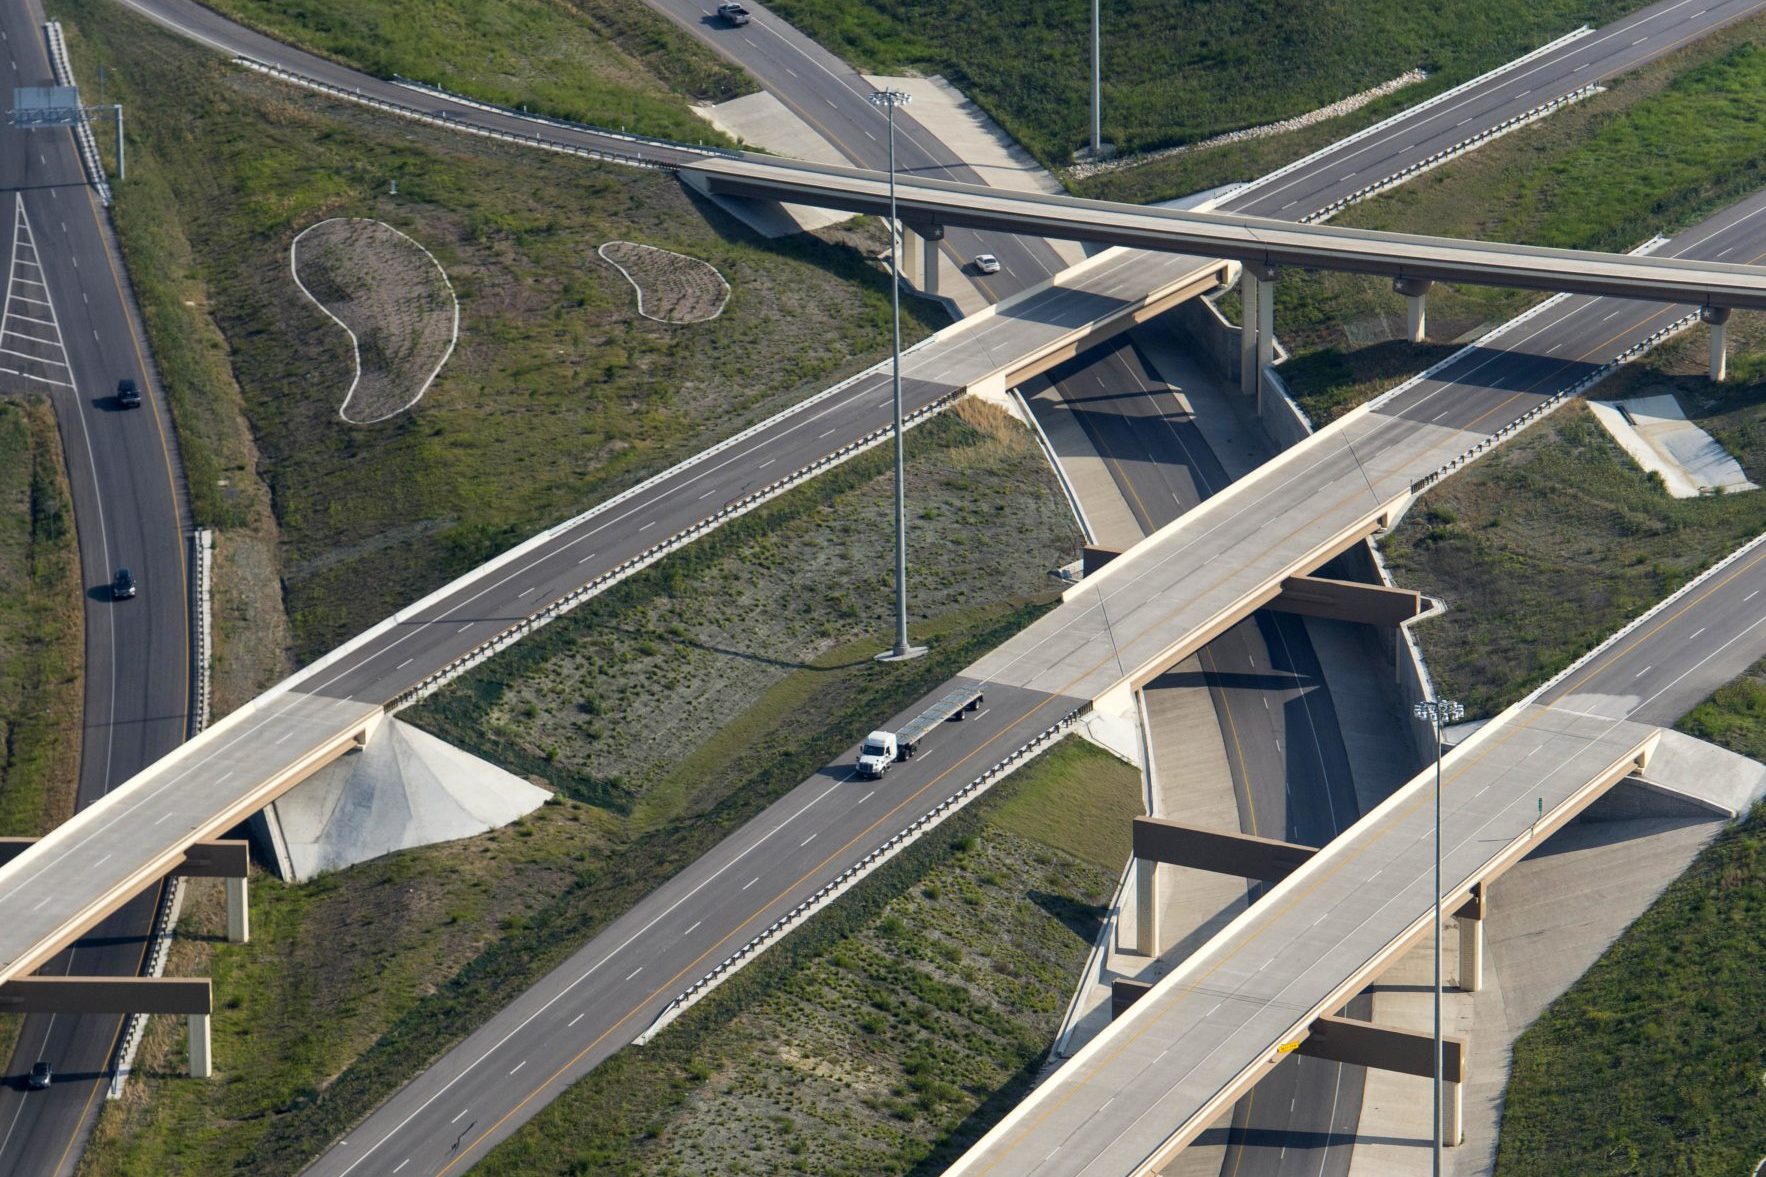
{"x":1180,"y":70}
{"x":598,"y":61}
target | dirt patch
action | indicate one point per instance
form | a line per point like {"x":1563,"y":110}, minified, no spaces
{"x":672,"y":287}
{"x":395,"y":301}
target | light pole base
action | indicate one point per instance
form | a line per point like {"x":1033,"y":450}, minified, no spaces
{"x":901,"y":654}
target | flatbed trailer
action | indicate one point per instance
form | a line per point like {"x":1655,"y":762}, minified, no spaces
{"x":951,"y":705}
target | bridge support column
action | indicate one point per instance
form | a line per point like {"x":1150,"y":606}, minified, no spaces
{"x":238,"y":912}
{"x":188,"y":997}
{"x":919,"y":256}
{"x":1246,"y":855}
{"x":1718,"y":319}
{"x":1415,"y":292}
{"x":1146,"y":906}
{"x":1471,"y":941}
{"x":202,"y":1057}
{"x":1257,"y":335}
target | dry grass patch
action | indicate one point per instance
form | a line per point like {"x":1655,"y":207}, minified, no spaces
{"x":672,"y":287}
{"x":391,"y":297}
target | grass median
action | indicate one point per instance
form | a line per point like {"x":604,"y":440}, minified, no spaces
{"x":666,"y":712}
{"x":598,"y":61}
{"x":1177,"y":73}
{"x":1651,"y":1063}
{"x":1662,"y":149}
{"x":1555,"y":540}
{"x":42,"y":634}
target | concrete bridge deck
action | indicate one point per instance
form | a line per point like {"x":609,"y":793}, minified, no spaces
{"x":1160,"y":1074}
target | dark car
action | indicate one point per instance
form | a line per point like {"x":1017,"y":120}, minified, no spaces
{"x":128,"y":395}
{"x":733,"y":13}
{"x":123,"y":587}
{"x":42,"y":1074}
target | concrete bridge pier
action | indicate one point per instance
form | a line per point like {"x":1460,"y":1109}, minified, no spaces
{"x":187,"y":997}
{"x":1415,"y":292}
{"x":1718,"y":319}
{"x":1257,"y":335}
{"x":202,"y":1055}
{"x":1471,"y":941}
{"x":919,"y":255}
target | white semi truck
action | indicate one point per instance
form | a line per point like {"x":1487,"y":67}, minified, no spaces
{"x":882,"y":749}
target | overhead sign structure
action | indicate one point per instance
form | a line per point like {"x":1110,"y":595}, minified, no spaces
{"x":45,"y":106}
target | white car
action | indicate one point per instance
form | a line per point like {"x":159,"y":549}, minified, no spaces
{"x":987,"y":263}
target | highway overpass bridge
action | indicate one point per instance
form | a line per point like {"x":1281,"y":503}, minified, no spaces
{"x":1114,"y":632}
{"x":1206,"y":1033}
{"x":1254,"y":241}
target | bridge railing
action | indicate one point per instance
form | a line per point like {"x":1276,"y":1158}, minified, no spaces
{"x":849,"y":877}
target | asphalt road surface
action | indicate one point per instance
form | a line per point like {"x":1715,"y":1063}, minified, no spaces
{"x":349,"y":78}
{"x":1606,"y":52}
{"x":68,"y":337}
{"x":833,"y":98}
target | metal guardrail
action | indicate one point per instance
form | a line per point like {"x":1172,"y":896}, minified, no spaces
{"x":630,"y":159}
{"x":1446,"y":153}
{"x":563,"y":123}
{"x":849,"y":877}
{"x":1556,"y":401}
{"x":83,"y":139}
{"x":202,"y":565}
{"x":1386,"y":124}
{"x":171,"y":896}
{"x":600,"y":584}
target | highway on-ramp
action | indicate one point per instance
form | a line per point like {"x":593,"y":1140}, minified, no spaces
{"x":68,"y":335}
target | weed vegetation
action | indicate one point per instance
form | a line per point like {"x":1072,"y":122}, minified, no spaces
{"x":1662,"y":149}
{"x":1176,"y":72}
{"x":597,"y":61}
{"x":1557,"y":538}
{"x":558,"y":394}
{"x":750,"y":618}
{"x":890,"y":1032}
{"x":42,"y":634}
{"x":352,"y":982}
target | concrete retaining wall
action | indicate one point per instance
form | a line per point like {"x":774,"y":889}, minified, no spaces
{"x":1282,"y":418}
{"x":1215,"y":340}
{"x":1200,"y":324}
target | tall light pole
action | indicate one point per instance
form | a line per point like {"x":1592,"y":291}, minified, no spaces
{"x":1097,"y":85}
{"x":888,"y":100}
{"x":1438,"y":713}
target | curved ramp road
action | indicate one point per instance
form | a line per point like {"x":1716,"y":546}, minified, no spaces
{"x":401,"y":645}
{"x":69,"y":336}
